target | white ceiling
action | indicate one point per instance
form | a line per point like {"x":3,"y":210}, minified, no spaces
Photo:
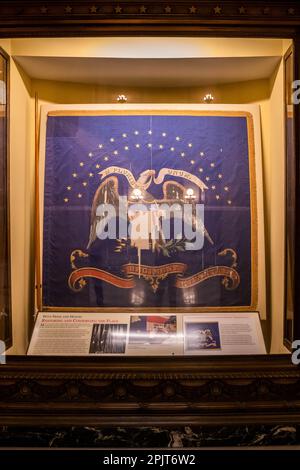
{"x":148,"y":72}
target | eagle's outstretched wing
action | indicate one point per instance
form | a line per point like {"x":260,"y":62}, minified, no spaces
{"x":107,"y":192}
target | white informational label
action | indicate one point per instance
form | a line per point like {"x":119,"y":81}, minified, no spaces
{"x":223,"y":334}
{"x":140,"y":334}
{"x":79,"y":334}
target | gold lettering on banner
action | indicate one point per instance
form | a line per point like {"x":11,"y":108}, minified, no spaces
{"x":120,"y":171}
{"x":231,"y":278}
{"x":154,"y":274}
{"x":158,"y":180}
{"x":179,"y":174}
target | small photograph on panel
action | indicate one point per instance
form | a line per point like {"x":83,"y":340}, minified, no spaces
{"x":152,"y":329}
{"x":108,"y":338}
{"x":202,"y":335}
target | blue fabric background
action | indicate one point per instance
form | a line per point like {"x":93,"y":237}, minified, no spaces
{"x":217,"y":145}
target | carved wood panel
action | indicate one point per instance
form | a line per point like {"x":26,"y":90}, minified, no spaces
{"x":48,"y":17}
{"x":149,"y":390}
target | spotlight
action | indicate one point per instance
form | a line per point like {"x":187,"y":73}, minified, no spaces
{"x":190,"y":194}
{"x":208,"y":98}
{"x":122,"y":99}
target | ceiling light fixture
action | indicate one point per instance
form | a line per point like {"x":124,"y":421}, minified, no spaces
{"x":122,"y":99}
{"x":208,"y":98}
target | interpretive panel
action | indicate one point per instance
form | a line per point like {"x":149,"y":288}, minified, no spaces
{"x":120,"y":334}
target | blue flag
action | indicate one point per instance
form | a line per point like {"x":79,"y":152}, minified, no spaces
{"x":152,"y":159}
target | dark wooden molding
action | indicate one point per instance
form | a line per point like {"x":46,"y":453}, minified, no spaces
{"x":145,"y":390}
{"x":56,"y":18}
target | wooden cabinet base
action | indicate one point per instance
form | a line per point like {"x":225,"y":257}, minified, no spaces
{"x":149,"y":391}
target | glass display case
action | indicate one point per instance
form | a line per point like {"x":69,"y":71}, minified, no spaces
{"x":176,"y":112}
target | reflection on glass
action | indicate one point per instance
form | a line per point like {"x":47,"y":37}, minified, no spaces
{"x":4,"y":262}
{"x":290,"y":201}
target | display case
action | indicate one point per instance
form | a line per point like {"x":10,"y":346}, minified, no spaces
{"x":232,"y":304}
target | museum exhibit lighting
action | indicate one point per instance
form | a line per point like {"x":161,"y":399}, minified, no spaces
{"x":209,"y":98}
{"x":122,"y":99}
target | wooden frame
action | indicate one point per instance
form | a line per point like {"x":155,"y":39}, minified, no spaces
{"x":7,"y":321}
{"x":131,"y":391}
{"x":255,"y":303}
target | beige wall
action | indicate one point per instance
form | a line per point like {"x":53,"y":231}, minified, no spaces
{"x":267,"y":93}
{"x":147,"y":47}
{"x":68,"y":93}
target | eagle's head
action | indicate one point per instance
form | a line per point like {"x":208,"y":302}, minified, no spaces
{"x":145,"y":179}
